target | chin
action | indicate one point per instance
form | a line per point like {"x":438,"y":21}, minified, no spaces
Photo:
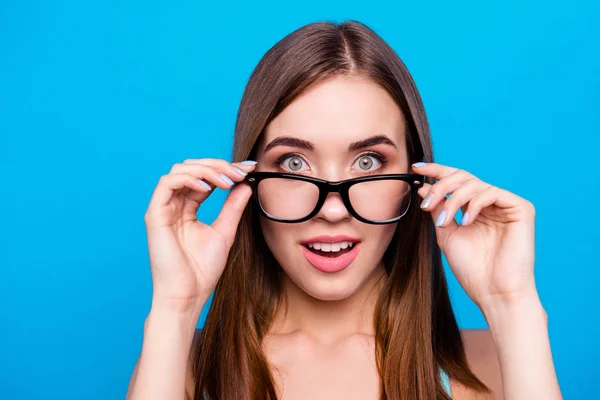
{"x":328,"y":286}
{"x":325,"y":290}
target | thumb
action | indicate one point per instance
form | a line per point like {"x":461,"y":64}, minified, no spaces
{"x":233,"y":208}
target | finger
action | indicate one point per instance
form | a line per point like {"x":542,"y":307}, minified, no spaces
{"x":206,"y":178}
{"x":212,"y":176}
{"x":233,"y":208}
{"x":424,"y":190}
{"x":445,"y":225}
{"x":502,"y":199}
{"x":445,"y":186}
{"x":461,"y":197}
{"x":449,"y":224}
{"x":436,"y":171}
{"x":170,"y":183}
{"x":232,"y":174}
{"x":223,"y":165}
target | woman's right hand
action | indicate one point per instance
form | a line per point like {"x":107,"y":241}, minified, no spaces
{"x":187,"y":257}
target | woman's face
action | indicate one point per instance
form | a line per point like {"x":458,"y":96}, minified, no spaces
{"x":328,"y":121}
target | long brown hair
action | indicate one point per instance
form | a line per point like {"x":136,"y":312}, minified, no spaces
{"x":416,"y":332}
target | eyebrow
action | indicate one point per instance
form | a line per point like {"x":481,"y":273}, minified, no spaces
{"x":305,"y":144}
{"x":372,"y":141}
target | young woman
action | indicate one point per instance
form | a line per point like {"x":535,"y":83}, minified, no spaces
{"x":325,"y":260}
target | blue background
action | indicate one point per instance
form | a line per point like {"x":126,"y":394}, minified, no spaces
{"x":99,"y":99}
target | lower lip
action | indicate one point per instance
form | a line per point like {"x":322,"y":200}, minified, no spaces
{"x":331,"y":264}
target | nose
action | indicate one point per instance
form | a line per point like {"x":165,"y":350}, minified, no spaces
{"x":333,"y":210}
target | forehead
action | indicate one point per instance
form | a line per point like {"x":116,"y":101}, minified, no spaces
{"x":341,"y":109}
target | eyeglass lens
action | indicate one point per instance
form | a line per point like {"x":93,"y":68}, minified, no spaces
{"x":290,"y":199}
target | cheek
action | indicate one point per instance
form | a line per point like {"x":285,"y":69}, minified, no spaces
{"x":279,"y":237}
{"x":269,"y":232}
{"x":380,"y":236}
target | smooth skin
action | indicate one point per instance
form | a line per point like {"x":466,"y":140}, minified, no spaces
{"x":492,"y":256}
{"x":323,"y":347}
{"x":187,"y":258}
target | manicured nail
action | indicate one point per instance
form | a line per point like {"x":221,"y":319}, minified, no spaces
{"x":226,"y":179}
{"x":441,"y":218}
{"x":419,"y":164}
{"x":465,"y":218}
{"x":427,"y":201}
{"x":206,"y":185}
{"x":248,"y":162}
{"x":239,"y":171}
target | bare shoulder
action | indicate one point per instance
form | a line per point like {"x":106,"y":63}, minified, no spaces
{"x":482,"y":357}
{"x":189,"y":376}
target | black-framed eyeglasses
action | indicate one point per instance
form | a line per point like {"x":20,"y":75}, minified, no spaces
{"x":373,"y":199}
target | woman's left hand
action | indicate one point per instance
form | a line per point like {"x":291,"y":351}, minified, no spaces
{"x":493,"y":253}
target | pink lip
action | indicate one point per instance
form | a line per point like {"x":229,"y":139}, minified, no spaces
{"x":331,"y":264}
{"x":331,"y":239}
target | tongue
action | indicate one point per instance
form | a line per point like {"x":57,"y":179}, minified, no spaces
{"x":331,"y":254}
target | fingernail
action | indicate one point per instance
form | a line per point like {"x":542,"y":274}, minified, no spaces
{"x":465,"y":218}
{"x":441,"y":218}
{"x":206,"y":185}
{"x":419,"y":164}
{"x":248,"y":162}
{"x":239,"y":171}
{"x":427,"y":201}
{"x":226,"y":179}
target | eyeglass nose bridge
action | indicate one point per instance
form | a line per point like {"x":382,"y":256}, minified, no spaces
{"x":327,"y":187}
{"x":334,"y":187}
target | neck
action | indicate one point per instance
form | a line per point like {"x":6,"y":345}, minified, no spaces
{"x":329,"y":320}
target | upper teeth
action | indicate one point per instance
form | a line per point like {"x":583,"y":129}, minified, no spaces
{"x":330,"y":246}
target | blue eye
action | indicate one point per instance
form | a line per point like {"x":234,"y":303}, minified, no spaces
{"x":291,"y":162}
{"x":366,"y":161}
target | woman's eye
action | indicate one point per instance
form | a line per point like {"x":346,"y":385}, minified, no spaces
{"x":365,"y":163}
{"x":293,"y":163}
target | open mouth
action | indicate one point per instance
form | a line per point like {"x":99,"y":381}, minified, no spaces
{"x":331,"y":250}
{"x":331,"y":257}
{"x":331,"y":253}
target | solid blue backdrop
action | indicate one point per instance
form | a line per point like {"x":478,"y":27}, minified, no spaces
{"x":99,"y":99}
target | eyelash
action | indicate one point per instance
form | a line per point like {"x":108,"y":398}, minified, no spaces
{"x":379,"y":157}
